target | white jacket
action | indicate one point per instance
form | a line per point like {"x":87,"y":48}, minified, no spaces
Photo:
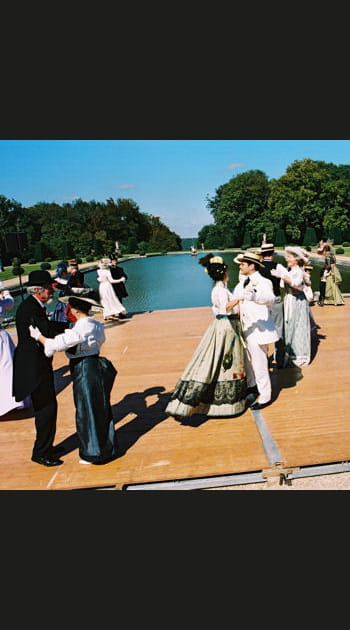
{"x":255,"y":316}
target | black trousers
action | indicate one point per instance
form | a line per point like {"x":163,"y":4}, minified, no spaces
{"x":322,"y":291}
{"x":45,"y":412}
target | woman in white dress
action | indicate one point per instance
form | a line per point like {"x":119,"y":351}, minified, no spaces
{"x":7,"y":347}
{"x":214,"y":381}
{"x":297,"y":333}
{"x":112,"y":307}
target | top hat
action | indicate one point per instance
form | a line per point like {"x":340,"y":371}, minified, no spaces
{"x":38,"y":278}
{"x":249,"y":258}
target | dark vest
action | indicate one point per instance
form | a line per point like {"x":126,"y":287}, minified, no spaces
{"x":265,"y":271}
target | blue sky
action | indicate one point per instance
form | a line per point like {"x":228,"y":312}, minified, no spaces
{"x":167,"y":178}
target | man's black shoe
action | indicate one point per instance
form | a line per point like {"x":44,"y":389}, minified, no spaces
{"x":47,"y":461}
{"x":255,"y":406}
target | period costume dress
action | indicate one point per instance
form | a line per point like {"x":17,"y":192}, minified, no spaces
{"x":258,"y":329}
{"x":111,"y":304}
{"x":93,"y":377}
{"x":297,"y":333}
{"x":333,"y":295}
{"x":209,"y":385}
{"x":7,"y":348}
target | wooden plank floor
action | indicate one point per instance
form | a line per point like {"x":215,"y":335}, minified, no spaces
{"x":308,"y":419}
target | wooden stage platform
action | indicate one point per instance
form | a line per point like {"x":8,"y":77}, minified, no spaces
{"x":307,"y":424}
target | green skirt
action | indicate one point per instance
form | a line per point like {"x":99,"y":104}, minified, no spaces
{"x":206,"y":385}
{"x":333,"y":294}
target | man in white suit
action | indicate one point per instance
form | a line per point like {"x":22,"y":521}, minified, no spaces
{"x":256,"y":295}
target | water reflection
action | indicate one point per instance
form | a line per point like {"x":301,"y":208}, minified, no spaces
{"x":178,"y":281}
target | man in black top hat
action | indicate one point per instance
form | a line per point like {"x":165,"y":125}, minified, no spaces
{"x":32,"y":370}
{"x":267,"y":253}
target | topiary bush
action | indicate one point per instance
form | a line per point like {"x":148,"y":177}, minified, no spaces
{"x":89,"y":258}
{"x":17,"y":270}
{"x":339,"y":250}
{"x":346,"y":244}
{"x":32,"y":261}
{"x":45,"y":265}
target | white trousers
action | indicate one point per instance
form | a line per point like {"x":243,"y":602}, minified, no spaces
{"x":257,"y":369}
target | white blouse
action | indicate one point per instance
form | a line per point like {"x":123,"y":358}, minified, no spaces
{"x":296,"y":274}
{"x":220,"y":295}
{"x":87,"y":333}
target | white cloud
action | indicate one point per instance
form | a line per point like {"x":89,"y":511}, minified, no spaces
{"x":235,"y":165}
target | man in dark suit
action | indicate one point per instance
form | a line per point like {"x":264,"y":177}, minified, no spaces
{"x":118,"y":273}
{"x":32,"y":370}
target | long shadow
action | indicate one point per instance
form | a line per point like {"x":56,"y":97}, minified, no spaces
{"x":18,"y":414}
{"x":62,"y":378}
{"x":128,"y":434}
{"x":146,"y":417}
{"x":315,"y":341}
{"x":283,"y":379}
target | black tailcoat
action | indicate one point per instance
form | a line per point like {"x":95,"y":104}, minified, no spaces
{"x":119,"y":288}
{"x":30,"y":365}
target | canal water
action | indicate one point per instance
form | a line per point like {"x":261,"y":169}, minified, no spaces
{"x":178,"y":281}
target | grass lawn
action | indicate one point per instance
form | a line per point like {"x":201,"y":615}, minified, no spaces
{"x":7,"y":274}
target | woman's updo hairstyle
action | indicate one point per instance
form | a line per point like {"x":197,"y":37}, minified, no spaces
{"x":214,"y":266}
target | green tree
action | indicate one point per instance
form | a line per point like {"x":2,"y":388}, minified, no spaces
{"x":310,"y":237}
{"x":131,"y":245}
{"x":238,"y":207}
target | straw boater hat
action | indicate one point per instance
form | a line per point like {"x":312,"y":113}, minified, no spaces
{"x":308,"y":267}
{"x":267,"y":249}
{"x":84,"y":304}
{"x":249,"y":258}
{"x":297,"y":252}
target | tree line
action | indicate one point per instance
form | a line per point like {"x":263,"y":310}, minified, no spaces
{"x":82,"y":229}
{"x":310,"y":202}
